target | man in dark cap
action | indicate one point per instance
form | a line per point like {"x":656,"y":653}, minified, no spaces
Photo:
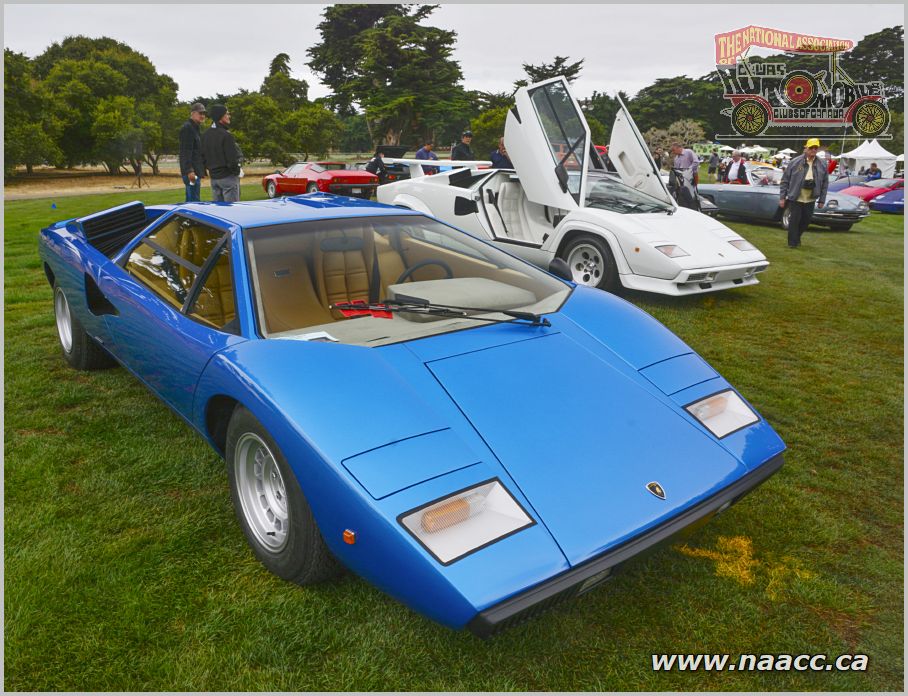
{"x":462,"y":150}
{"x":192,"y":169}
{"x":222,"y":156}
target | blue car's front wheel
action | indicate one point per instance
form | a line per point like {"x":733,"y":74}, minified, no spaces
{"x":271,"y":507}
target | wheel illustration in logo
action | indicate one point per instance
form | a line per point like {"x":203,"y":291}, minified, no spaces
{"x":750,"y":117}
{"x":870,"y":119}
{"x":799,"y":88}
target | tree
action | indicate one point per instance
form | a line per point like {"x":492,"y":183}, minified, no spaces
{"x":880,"y":56}
{"x":279,"y":64}
{"x":122,"y":132}
{"x":487,"y":128}
{"x":669,"y":100}
{"x":603,"y":109}
{"x":337,"y":57}
{"x":31,"y":125}
{"x":355,"y":134}
{"x":544,"y":71}
{"x":404,"y":77}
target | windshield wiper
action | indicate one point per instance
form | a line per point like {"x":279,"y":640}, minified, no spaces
{"x":418,"y":305}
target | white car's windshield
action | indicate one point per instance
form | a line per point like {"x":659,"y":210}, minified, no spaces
{"x":302,"y":271}
{"x":607,"y":193}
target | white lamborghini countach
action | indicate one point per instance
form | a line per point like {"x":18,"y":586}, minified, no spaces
{"x":615,"y":225}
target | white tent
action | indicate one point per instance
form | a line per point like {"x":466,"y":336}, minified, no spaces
{"x":867,"y":153}
{"x":759,"y":148}
{"x":900,"y":158}
{"x":726,"y":148}
{"x":786,"y":151}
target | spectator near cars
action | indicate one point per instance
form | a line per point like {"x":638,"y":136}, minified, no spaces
{"x":462,"y":150}
{"x":499,"y":157}
{"x":376,"y":165}
{"x":713,"y":164}
{"x":425,"y":153}
{"x":804,"y":184}
{"x":874,"y":172}
{"x":222,"y":157}
{"x":735,"y":172}
{"x":192,"y":168}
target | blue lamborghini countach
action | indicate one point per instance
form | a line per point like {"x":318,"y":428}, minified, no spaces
{"x":396,"y":397}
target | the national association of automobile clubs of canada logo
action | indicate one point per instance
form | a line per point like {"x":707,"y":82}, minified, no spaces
{"x":656,"y":489}
{"x":764,"y":94}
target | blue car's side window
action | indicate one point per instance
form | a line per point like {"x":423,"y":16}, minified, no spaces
{"x":186,"y":264}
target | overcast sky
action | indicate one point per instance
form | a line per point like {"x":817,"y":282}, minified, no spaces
{"x":222,"y":47}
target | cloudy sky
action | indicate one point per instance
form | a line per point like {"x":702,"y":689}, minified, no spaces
{"x":222,"y":47}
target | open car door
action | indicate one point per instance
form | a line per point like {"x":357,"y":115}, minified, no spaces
{"x":631,"y":157}
{"x":548,"y":141}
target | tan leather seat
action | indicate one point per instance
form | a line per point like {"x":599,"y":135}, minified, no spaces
{"x":344,"y":263}
{"x":288,"y":296}
{"x":215,"y":303}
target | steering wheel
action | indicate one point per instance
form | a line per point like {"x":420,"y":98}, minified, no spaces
{"x":428,"y":262}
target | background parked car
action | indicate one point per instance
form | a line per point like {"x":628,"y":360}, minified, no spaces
{"x":890,"y":202}
{"x":869,"y":190}
{"x":760,"y":201}
{"x":327,"y":177}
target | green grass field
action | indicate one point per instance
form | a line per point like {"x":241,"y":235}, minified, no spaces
{"x":126,"y":570}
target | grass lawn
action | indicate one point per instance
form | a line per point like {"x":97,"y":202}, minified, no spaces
{"x":126,"y":570}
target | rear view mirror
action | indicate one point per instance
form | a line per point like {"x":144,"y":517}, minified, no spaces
{"x":465,"y":206}
{"x":558,"y":267}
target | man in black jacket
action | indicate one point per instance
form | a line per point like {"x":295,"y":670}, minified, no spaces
{"x":222,"y":157}
{"x":192,"y":168}
{"x":462,"y":150}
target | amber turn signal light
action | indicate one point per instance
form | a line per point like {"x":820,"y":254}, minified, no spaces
{"x":349,"y":536}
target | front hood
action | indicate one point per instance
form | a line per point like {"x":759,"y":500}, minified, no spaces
{"x":705,"y":240}
{"x":583,"y":438}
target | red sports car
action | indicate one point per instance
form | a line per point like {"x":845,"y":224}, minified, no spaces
{"x":871,"y":189}
{"x":328,"y":177}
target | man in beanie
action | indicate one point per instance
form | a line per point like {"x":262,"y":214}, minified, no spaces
{"x":221,"y":156}
{"x":192,"y":169}
{"x":803,"y":186}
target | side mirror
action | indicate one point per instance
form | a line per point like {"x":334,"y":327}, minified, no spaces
{"x":558,"y":267}
{"x":465,"y":206}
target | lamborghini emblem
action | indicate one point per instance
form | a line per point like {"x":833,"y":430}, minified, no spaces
{"x":657,"y":490}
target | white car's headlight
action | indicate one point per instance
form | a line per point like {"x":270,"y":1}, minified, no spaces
{"x":742,"y":245}
{"x":722,"y":413}
{"x":466,"y":521}
{"x":672,"y":250}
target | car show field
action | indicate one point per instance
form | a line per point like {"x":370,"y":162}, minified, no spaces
{"x":125,"y":567}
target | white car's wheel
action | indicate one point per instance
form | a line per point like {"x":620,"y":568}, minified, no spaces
{"x":591,"y":263}
{"x":271,"y":189}
{"x":80,"y":350}
{"x":271,"y":507}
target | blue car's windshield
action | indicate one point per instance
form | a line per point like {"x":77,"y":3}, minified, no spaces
{"x":307,"y":275}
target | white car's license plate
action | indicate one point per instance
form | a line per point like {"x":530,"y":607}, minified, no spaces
{"x":356,"y":190}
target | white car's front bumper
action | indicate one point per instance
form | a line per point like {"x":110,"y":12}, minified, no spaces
{"x":699,"y":280}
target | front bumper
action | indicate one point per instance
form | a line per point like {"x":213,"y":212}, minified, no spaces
{"x":699,"y":280}
{"x":838,"y":217}
{"x":571,"y":583}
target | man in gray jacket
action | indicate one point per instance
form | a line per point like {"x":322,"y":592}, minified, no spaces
{"x":803,"y":186}
{"x":222,"y":156}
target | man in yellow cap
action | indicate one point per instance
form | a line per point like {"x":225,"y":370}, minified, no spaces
{"x":803,"y":186}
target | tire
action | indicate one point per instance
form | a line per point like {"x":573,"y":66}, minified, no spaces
{"x":312,"y":188}
{"x":271,"y":189}
{"x":80,"y":350}
{"x":270,"y":505}
{"x":750,"y":117}
{"x":591,"y":262}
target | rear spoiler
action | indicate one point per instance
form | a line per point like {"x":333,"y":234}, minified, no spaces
{"x":416,"y":165}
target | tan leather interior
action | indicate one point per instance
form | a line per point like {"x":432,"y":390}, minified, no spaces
{"x":285,"y":281}
{"x":215,"y":302}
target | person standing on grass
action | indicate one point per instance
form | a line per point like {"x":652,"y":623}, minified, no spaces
{"x":222,"y":157}
{"x":425,"y":153}
{"x":499,"y":157}
{"x":462,"y":150}
{"x":192,"y":169}
{"x":687,"y":171}
{"x":713,"y":166}
{"x":803,"y":186}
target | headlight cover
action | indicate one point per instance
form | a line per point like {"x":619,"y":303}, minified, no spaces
{"x":863,"y":205}
{"x":723,"y":413}
{"x":672,"y":251}
{"x":459,"y":524}
{"x":742,"y":245}
{"x":832,"y":203}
